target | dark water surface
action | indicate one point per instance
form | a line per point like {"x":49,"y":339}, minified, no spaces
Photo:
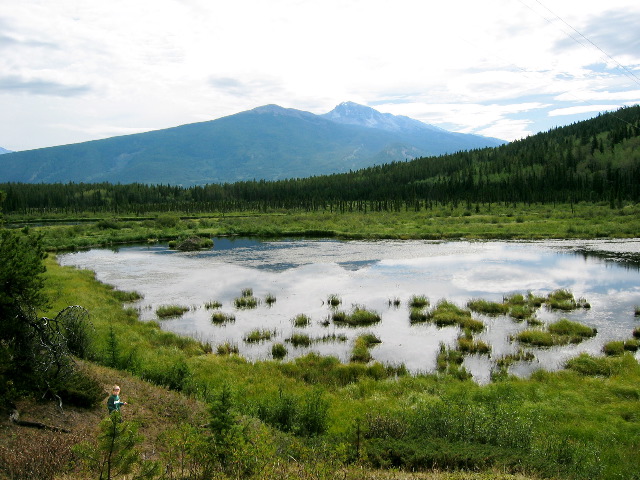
{"x":301,"y":274}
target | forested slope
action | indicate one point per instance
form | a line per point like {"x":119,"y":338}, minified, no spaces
{"x":595,"y":160}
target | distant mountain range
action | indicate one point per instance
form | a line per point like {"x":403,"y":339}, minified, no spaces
{"x":268,"y":142}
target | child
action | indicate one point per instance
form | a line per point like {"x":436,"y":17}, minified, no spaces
{"x":113,"y":403}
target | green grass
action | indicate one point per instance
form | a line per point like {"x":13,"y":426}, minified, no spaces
{"x":171,"y":311}
{"x":221,"y":317}
{"x":212,"y":305}
{"x":259,"y":335}
{"x":561,"y":332}
{"x":299,"y":340}
{"x":448,"y":314}
{"x":480,"y":305}
{"x":359,"y":316}
{"x":418,"y":301}
{"x":301,"y":320}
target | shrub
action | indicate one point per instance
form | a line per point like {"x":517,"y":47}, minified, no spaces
{"x":171,"y":311}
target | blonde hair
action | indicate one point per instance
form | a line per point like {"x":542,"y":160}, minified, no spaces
{"x":115,"y":388}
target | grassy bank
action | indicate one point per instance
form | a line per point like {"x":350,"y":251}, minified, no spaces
{"x":519,"y":221}
{"x":325,"y":419}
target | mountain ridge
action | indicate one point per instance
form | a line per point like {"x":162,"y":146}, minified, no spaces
{"x":269,"y":142}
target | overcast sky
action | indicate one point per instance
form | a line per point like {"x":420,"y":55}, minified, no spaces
{"x":78,"y":70}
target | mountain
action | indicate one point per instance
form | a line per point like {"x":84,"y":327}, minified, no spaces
{"x":268,"y":142}
{"x":4,"y":150}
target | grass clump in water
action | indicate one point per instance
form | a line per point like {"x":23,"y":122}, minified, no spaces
{"x":480,"y":305}
{"x":220,"y":317}
{"x":127,"y":296}
{"x":563,"y":299}
{"x":468,"y":345}
{"x":278,"y":351}
{"x":360,"y":352}
{"x":561,"y":332}
{"x":334,"y":300}
{"x":171,"y":311}
{"x":270,"y":299}
{"x":301,"y":320}
{"x":575,"y":330}
{"x":227,"y":348}
{"x":359,"y":316}
{"x":448,"y":314}
{"x":212,"y":305}
{"x":299,"y":340}
{"x":419,"y":301}
{"x":246,"y":302}
{"x":417,"y":315}
{"x":259,"y":335}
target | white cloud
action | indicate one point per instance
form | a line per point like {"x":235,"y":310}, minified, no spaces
{"x":484,"y":67}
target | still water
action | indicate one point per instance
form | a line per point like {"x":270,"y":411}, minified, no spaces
{"x":302,"y":274}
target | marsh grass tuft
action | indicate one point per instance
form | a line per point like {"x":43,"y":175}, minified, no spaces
{"x":359,"y":316}
{"x":561,"y":332}
{"x":246,"y":302}
{"x":394,"y":302}
{"x":519,"y":356}
{"x":563,"y":299}
{"x":270,"y":299}
{"x":448,"y":314}
{"x":301,"y":320}
{"x":417,"y":315}
{"x":419,"y":301}
{"x":334,"y":300}
{"x":127,"y":296}
{"x":220,"y":317}
{"x":299,"y":340}
{"x":486,"y":307}
{"x":636,"y":311}
{"x":259,"y":335}
{"x":278,"y":351}
{"x":212,"y":305}
{"x":171,"y":311}
{"x":361,"y":345}
{"x":468,"y":345}
{"x":227,"y":348}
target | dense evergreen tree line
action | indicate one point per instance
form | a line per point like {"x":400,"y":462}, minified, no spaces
{"x":595,"y":160}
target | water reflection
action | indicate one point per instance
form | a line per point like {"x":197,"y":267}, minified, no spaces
{"x":301,"y":274}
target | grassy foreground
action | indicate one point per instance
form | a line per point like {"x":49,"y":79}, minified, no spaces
{"x":518,"y":221}
{"x":314,"y":418}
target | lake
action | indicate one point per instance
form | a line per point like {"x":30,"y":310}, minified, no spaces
{"x":302,"y":274}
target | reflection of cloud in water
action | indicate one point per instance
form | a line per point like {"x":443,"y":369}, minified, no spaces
{"x":301,"y":274}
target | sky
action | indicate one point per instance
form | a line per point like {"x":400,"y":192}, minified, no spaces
{"x":79,"y":70}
